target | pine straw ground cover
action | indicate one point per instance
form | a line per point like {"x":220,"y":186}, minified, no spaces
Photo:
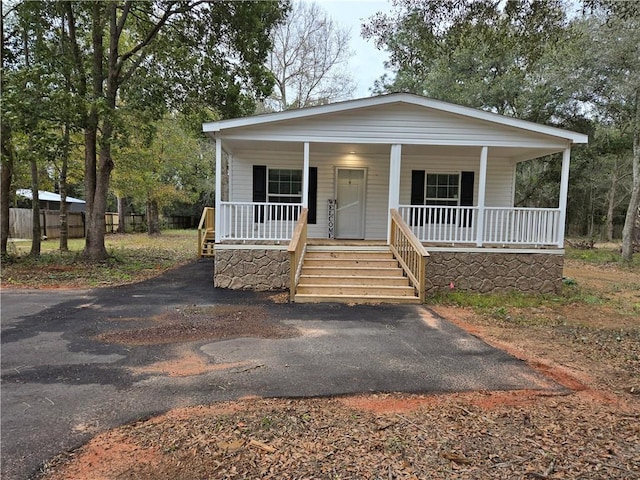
{"x":133,"y":257}
{"x":464,"y":436}
{"x":588,"y":339}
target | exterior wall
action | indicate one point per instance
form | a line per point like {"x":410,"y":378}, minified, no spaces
{"x":499,"y":189}
{"x":377,"y":184}
{"x":500,"y":175}
{"x":251,"y":269}
{"x":494,"y":272}
{"x":407,"y":124}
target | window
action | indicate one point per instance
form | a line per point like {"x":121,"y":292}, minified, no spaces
{"x":442,"y":189}
{"x":281,"y":185}
{"x":284,"y":185}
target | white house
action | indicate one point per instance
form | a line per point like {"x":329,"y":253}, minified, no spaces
{"x":362,"y":168}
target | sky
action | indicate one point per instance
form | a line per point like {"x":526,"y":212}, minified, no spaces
{"x":367,"y":63}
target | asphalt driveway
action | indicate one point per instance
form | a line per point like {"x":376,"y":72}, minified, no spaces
{"x":62,"y":382}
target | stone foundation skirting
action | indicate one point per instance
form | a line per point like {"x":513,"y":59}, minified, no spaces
{"x":494,"y":272}
{"x":251,"y":269}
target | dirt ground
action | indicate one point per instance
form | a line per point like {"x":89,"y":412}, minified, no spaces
{"x":591,"y":346}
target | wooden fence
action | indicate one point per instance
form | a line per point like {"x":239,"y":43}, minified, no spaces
{"x":21,"y":223}
{"x":133,"y":222}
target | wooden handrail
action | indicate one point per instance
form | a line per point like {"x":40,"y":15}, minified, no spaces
{"x":207,"y":224}
{"x":297,"y":248}
{"x":409,"y":252}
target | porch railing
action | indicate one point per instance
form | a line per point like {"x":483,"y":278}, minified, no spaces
{"x":297,"y":248}
{"x":440,"y":224}
{"x":529,"y":226}
{"x":501,"y":225}
{"x":409,"y":252}
{"x":257,"y":220}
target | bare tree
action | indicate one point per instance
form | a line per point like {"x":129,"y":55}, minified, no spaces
{"x":309,"y":60}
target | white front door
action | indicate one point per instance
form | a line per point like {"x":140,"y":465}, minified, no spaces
{"x":350,"y":195}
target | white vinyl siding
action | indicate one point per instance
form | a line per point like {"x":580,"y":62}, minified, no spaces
{"x":499,"y":189}
{"x":404,"y":124}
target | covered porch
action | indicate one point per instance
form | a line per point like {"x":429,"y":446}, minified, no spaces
{"x":438,"y":215}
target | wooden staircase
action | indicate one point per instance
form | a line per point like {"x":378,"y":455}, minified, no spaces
{"x":208,"y":246}
{"x":367,"y":274}
{"x":206,"y":233}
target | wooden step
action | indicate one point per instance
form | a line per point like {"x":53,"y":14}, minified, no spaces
{"x":208,"y":249}
{"x":353,"y":271}
{"x":348,"y":263}
{"x":397,"y":280}
{"x":348,"y":255}
{"x":356,"y":289}
{"x":355,"y":299}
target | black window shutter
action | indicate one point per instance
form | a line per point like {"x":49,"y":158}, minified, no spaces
{"x":466,"y":195}
{"x":417,"y":194}
{"x":466,"y":187}
{"x":417,"y":187}
{"x":313,"y":194}
{"x":259,"y":191}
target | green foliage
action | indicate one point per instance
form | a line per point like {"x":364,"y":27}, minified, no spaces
{"x":161,"y":162}
{"x":92,"y":66}
{"x":479,"y":54}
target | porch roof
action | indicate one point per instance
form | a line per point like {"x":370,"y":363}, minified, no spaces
{"x":402,"y":99}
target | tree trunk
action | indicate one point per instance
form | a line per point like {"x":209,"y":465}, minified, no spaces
{"x":634,"y":204}
{"x":95,"y":248}
{"x":5,"y":187}
{"x":611,"y":200}
{"x":64,"y":220}
{"x":153,"y":218}
{"x":634,"y":201}
{"x":122,"y":212}
{"x":95,"y":190}
{"x":36,"y":241}
{"x":6,"y":160}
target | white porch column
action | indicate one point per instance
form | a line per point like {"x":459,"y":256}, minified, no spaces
{"x":482,"y":188}
{"x":564,"y":190}
{"x":394,"y":183}
{"x":219,"y":174}
{"x":305,"y":177}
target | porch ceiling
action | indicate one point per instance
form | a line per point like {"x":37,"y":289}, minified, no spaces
{"x":515,"y":154}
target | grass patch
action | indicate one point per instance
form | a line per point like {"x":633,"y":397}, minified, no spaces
{"x":570,"y":294}
{"x":132,"y":257}
{"x":600,"y":256}
{"x":520,"y":308}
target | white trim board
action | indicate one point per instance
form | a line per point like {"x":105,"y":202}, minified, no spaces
{"x":238,"y":246}
{"x":550,"y":251}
